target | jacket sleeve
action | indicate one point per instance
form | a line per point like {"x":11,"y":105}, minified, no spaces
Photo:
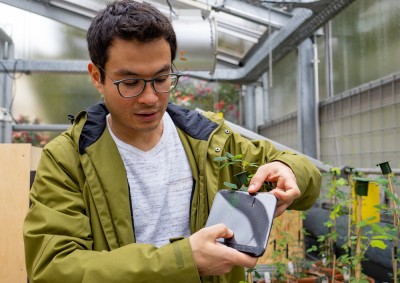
{"x":308,"y":176}
{"x":59,"y":243}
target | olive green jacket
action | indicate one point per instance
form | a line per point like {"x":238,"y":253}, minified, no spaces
{"x":79,"y":227}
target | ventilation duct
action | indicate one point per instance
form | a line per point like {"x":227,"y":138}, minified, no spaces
{"x":197,"y":42}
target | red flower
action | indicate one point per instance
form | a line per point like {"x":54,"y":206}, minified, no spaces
{"x":220,"y":105}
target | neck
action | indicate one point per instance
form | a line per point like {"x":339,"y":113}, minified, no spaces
{"x":143,"y":140}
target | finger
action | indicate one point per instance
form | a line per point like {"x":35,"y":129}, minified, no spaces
{"x":285,"y":199}
{"x":286,"y":183}
{"x":285,"y":196}
{"x":280,"y":210}
{"x":242,"y":259}
{"x":266,"y":172}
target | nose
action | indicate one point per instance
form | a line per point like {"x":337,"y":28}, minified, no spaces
{"x":149,"y":96}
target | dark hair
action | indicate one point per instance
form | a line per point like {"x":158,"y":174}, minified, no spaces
{"x":128,"y":20}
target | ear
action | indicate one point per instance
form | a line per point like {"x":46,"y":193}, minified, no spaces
{"x":95,"y":77}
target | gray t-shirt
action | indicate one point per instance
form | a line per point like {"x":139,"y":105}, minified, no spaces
{"x":160,"y":182}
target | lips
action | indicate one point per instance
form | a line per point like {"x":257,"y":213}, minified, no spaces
{"x":148,"y":115}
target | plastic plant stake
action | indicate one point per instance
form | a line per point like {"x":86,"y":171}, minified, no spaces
{"x":267,"y":277}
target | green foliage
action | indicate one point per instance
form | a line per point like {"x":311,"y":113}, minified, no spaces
{"x":374,"y":237}
{"x":241,"y":165}
{"x":236,"y":161}
{"x":280,"y":272}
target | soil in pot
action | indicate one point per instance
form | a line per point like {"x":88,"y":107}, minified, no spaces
{"x":311,"y":278}
{"x":339,"y":279}
{"x":326,"y":270}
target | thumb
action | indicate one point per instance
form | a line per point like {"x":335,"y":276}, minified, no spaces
{"x":220,"y":231}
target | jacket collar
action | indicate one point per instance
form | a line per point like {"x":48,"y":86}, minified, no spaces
{"x":191,"y":122}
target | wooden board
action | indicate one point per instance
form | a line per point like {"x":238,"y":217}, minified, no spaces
{"x":286,"y":239}
{"x":17,"y":160}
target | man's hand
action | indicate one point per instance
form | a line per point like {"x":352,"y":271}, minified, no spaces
{"x":286,"y":189}
{"x":213,"y":258}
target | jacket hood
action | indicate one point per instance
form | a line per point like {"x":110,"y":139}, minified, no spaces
{"x":192,"y":122}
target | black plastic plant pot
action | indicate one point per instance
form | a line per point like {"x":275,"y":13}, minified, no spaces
{"x":385,"y":167}
{"x":242,"y":178}
{"x":361,"y":186}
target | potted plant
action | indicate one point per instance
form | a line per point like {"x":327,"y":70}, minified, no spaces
{"x":327,"y":246}
{"x":359,"y":239}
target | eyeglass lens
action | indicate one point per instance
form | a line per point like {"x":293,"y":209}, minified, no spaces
{"x":133,"y":87}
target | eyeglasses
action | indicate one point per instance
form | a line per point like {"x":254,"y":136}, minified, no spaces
{"x":133,"y":87}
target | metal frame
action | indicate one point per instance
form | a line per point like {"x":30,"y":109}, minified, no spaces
{"x":6,"y":86}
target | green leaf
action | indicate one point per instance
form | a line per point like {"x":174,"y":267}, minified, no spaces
{"x":313,"y":248}
{"x":381,"y":181}
{"x":220,"y":158}
{"x":329,"y":223}
{"x":383,"y":237}
{"x":341,"y":182}
{"x":236,"y":157}
{"x":378,"y":229}
{"x":378,"y":244}
{"x":243,"y":189}
{"x":364,"y":222}
{"x":229,"y":155}
{"x":335,"y":171}
{"x":230,"y":185}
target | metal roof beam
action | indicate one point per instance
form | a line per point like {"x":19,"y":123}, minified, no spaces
{"x":53,"y":66}
{"x":79,"y":17}
{"x":256,"y":14}
{"x":260,"y":15}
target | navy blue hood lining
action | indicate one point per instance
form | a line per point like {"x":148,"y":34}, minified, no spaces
{"x":192,"y":122}
{"x":94,"y":126}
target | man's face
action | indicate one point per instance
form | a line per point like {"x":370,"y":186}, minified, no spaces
{"x":131,"y":59}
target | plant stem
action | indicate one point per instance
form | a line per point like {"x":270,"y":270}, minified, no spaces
{"x":396,"y":224}
{"x":349,"y":221}
{"x":250,"y":277}
{"x":333,"y":268}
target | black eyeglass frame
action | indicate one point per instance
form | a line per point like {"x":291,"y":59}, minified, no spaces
{"x":151,"y":81}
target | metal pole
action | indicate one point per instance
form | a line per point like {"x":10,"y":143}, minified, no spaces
{"x":250,"y":108}
{"x":265,"y":85}
{"x":307,"y":121}
{"x":6,"y":83}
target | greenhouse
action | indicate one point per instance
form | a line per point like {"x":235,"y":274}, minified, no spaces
{"x":314,"y":79}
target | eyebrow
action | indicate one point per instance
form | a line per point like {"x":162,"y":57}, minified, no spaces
{"x":125,"y":72}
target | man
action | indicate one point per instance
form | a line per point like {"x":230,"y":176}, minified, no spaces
{"x":124,"y":194}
